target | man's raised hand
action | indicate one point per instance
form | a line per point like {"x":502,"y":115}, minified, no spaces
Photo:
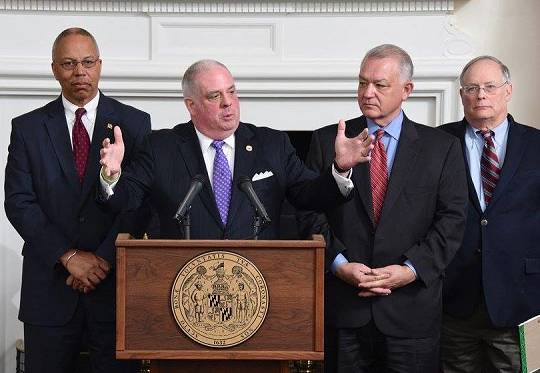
{"x":112,"y":155}
{"x":354,"y":150}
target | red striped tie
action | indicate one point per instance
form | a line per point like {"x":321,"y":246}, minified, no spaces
{"x":489,"y":166}
{"x":81,"y":143}
{"x":379,"y":176}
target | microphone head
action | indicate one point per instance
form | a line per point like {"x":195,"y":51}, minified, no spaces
{"x":199,"y":178}
{"x":243,"y":182}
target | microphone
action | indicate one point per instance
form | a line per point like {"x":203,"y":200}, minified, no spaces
{"x":247,"y":187}
{"x":194,"y":189}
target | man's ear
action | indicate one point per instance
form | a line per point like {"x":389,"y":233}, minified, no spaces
{"x":188,"y":101}
{"x":53,"y":68}
{"x":407,"y":89}
{"x":508,"y":92}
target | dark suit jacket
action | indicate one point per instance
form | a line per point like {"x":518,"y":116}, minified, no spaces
{"x":422,"y":220}
{"x":171,"y":157}
{"x":500,"y":255}
{"x":52,"y":212}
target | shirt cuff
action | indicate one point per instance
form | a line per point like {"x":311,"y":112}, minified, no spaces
{"x":339,"y":260}
{"x":107,"y":187}
{"x":409,"y":264}
{"x":344,"y":183}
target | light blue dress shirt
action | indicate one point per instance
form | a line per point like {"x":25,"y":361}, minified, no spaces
{"x":390,"y":140}
{"x":474,"y":145}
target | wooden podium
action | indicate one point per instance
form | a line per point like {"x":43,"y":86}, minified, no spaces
{"x":292,"y":330}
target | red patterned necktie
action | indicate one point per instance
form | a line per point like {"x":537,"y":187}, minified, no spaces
{"x":81,"y":143}
{"x":489,"y":166}
{"x":379,"y":176}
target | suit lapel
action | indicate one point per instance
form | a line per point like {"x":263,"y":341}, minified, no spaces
{"x":473,"y":197}
{"x":515,"y":147}
{"x":59,"y":135}
{"x":360,"y":175}
{"x":404,"y":161}
{"x":244,"y":162}
{"x":105,"y":115}
{"x":192,"y":155}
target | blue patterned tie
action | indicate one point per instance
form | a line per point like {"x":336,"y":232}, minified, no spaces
{"x":222,"y":181}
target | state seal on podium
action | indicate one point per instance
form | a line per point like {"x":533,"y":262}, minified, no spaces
{"x":219,"y":299}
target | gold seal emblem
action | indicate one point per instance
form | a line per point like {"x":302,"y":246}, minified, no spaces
{"x":219,"y":299}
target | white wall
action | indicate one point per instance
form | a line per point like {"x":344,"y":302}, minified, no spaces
{"x":295,"y":62}
{"x":510,"y":31}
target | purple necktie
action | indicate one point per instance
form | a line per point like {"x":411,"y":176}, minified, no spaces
{"x":222,"y":181}
{"x":81,"y":143}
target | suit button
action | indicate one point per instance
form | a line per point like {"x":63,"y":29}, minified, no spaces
{"x":81,"y":219}
{"x":483,"y":222}
{"x":479,"y":251}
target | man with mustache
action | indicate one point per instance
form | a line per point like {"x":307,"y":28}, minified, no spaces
{"x":388,"y":247}
{"x":68,"y":284}
{"x":493,"y":283}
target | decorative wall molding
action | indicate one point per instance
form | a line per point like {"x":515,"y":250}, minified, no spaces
{"x":435,"y":81}
{"x":227,"y":6}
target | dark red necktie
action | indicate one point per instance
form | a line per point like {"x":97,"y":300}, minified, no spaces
{"x":379,"y":176}
{"x":81,"y":143}
{"x":489,"y":166}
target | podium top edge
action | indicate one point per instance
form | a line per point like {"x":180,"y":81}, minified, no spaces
{"x":125,"y":240}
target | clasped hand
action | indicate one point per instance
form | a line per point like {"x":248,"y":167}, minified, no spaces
{"x":86,"y":271}
{"x":375,"y":281}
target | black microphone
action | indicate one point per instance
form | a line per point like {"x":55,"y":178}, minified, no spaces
{"x":247,"y":187}
{"x":194,"y":189}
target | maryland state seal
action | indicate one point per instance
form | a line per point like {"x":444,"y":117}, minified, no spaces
{"x":219,"y":299}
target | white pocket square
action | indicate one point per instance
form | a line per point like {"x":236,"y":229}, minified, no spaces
{"x":261,"y":175}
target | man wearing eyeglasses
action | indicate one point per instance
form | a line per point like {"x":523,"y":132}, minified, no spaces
{"x":492,"y":284}
{"x":68,"y":284}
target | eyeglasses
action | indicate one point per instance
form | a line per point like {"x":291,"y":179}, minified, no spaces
{"x":87,"y":63}
{"x":488,"y":88}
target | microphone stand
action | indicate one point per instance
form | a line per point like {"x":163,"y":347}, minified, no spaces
{"x":257,"y":222}
{"x":186,"y":224}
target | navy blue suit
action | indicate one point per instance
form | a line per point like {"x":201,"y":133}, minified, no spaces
{"x":500,"y":255}
{"x":53,"y":212}
{"x":171,"y":157}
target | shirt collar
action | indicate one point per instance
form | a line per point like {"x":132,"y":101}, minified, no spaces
{"x":393,"y":128}
{"x":206,"y":142}
{"x":499,"y":131}
{"x":91,"y":107}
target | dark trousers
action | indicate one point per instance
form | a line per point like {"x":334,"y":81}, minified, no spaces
{"x":474,"y":345}
{"x":366,"y":349}
{"x":56,"y":348}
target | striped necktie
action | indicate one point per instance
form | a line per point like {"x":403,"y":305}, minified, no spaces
{"x":489,"y":166}
{"x":379,"y":176}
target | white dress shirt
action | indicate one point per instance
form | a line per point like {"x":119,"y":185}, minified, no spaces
{"x":88,"y":119}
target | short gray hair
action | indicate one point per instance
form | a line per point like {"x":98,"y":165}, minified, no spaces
{"x":504,"y":69}
{"x":189,"y":80}
{"x":73,"y":31}
{"x":391,"y":51}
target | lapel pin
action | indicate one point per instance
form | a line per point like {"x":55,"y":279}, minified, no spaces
{"x":249,"y":148}
{"x":110,"y":126}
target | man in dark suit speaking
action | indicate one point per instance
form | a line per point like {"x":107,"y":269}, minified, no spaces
{"x":225,"y":151}
{"x":405,"y":224}
{"x":50,"y":185}
{"x":493,"y":283}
